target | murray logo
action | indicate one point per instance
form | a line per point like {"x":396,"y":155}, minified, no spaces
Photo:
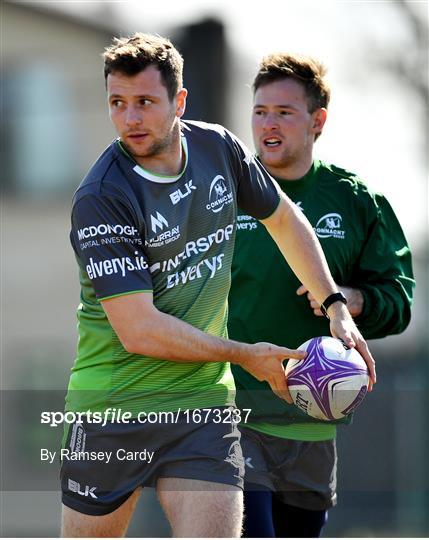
{"x":164,"y":236}
{"x":219,"y":194}
{"x":178,"y":195}
{"x":158,"y":221}
{"x":87,"y":492}
{"x":329,"y":226}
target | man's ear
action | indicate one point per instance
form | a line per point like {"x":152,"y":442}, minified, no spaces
{"x":181,"y":102}
{"x":319,"y":119}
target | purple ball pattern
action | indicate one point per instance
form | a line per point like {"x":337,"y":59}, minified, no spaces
{"x":317,"y":373}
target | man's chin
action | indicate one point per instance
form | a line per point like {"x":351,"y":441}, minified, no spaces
{"x":148,"y":153}
{"x":132,"y":148}
{"x":271,"y":159}
{"x":138,"y":151}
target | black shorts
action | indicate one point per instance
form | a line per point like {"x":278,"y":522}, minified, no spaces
{"x":300,"y":473}
{"x":102,"y":466}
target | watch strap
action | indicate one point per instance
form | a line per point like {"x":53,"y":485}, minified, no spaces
{"x":332,"y":298}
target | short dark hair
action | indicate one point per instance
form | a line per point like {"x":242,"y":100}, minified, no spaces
{"x":130,"y":55}
{"x":303,"y":69}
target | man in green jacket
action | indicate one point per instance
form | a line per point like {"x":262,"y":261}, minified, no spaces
{"x":290,"y":457}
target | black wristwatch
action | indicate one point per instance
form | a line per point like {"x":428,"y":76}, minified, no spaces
{"x":332,"y":298}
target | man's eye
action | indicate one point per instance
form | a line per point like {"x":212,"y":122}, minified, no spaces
{"x":285,"y":113}
{"x":116,"y":103}
{"x":259,"y":113}
{"x":145,"y":102}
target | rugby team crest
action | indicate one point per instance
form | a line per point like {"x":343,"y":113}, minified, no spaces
{"x":330,"y":226}
{"x":220,"y":194}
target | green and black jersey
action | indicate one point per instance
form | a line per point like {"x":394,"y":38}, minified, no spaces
{"x":134,"y":231}
{"x":365,"y":248}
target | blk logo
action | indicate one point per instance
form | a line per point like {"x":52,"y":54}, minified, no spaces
{"x":158,"y":222}
{"x":178,"y":195}
{"x":87,"y":492}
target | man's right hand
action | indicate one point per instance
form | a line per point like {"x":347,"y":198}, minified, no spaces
{"x":265,"y":362}
{"x":143,"y":329}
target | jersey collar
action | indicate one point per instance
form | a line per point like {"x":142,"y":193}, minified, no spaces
{"x":300,"y":183}
{"x":153,"y":177}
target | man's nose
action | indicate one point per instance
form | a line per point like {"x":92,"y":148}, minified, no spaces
{"x":133,"y":117}
{"x":270,"y":122}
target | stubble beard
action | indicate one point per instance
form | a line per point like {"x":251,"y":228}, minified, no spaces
{"x":283,"y":160}
{"x":161,"y":145}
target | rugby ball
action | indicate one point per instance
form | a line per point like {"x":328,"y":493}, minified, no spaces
{"x":330,"y":382}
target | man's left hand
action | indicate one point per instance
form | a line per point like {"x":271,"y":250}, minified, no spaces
{"x":343,"y":327}
{"x":354,"y":300}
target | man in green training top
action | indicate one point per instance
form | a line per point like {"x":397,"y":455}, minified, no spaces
{"x":290,"y":454}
